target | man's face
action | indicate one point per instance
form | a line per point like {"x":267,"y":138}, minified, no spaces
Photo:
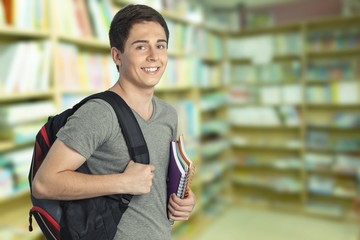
{"x":144,"y":59}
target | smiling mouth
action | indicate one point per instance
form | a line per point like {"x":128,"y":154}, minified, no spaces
{"x":150,"y":69}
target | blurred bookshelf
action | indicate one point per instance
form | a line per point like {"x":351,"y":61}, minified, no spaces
{"x":67,"y":58}
{"x":270,"y":115}
{"x":332,"y":90}
{"x":294,"y":116}
{"x":266,"y":115}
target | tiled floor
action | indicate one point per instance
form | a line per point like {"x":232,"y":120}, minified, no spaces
{"x":253,"y":224}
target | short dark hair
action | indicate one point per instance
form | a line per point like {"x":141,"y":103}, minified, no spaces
{"x":125,"y":18}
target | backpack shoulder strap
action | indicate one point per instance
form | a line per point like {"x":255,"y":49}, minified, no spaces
{"x":130,"y":128}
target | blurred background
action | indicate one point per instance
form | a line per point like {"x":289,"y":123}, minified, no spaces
{"x":268,"y":96}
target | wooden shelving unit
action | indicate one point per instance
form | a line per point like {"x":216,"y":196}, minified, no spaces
{"x":180,"y":93}
{"x":257,"y":146}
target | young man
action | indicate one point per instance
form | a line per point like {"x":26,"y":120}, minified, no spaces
{"x":139,"y":39}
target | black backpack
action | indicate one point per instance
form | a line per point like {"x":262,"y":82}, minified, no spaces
{"x":93,"y":218}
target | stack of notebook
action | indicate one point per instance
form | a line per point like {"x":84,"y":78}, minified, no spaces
{"x":180,"y":170}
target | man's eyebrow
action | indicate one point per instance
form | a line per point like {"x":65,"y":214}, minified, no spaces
{"x":146,"y":41}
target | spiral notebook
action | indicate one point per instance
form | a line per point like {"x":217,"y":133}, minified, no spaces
{"x":180,"y":170}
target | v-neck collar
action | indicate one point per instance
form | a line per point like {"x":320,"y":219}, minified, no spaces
{"x":140,"y":118}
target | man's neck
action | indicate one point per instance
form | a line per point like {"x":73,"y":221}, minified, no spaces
{"x":140,"y":100}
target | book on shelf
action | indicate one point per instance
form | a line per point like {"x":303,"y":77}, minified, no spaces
{"x":22,"y":133}
{"x":290,"y":115}
{"x":254,"y":116}
{"x":318,"y":94}
{"x":346,"y":120}
{"x":180,"y":72}
{"x":2,"y":15}
{"x":19,"y":113}
{"x":270,"y":95}
{"x":331,"y":69}
{"x":346,"y":144}
{"x":6,"y":182}
{"x":207,"y":45}
{"x":14,"y":169}
{"x":34,"y":75}
{"x":11,"y":57}
{"x":317,"y":139}
{"x":259,"y":49}
{"x":242,"y":74}
{"x":242,"y":95}
{"x":346,"y":92}
{"x":214,"y":147}
{"x":100,"y":18}
{"x":318,"y":161}
{"x":213,"y":101}
{"x":86,"y":71}
{"x":29,"y":15}
{"x":177,"y":45}
{"x":209,"y":75}
{"x":347,"y":164}
{"x":19,"y":160}
{"x":289,"y":43}
{"x":321,"y":185}
{"x":337,"y":92}
{"x":188,"y":111}
{"x":180,"y":170}
{"x":216,"y":126}
{"x":85,"y":18}
{"x":68,"y":24}
{"x":291,"y":94}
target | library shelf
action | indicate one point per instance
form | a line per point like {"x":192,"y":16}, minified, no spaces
{"x":335,"y":196}
{"x":335,"y":106}
{"x":273,"y":167}
{"x":20,"y":97}
{"x":265,"y":187}
{"x":263,"y":147}
{"x":9,"y":32}
{"x":267,"y":128}
{"x":9,"y":145}
{"x":6,"y":145}
{"x":266,"y":30}
{"x":333,"y":23}
{"x":350,"y":172}
{"x":175,"y":90}
{"x":334,"y":53}
{"x":87,"y":42}
{"x":314,"y":115}
{"x":332,"y":127}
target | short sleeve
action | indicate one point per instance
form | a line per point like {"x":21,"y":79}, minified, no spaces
{"x":89,"y":127}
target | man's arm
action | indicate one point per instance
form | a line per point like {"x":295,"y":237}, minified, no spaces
{"x":57,"y":178}
{"x":180,"y":209}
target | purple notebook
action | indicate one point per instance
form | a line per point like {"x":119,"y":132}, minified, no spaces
{"x":176,"y":174}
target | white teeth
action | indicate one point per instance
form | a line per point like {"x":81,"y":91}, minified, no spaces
{"x":153,"y":69}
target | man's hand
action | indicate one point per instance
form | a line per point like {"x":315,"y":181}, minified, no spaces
{"x":180,"y":209}
{"x":139,"y":177}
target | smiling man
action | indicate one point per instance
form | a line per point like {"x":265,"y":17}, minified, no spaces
{"x":139,"y":38}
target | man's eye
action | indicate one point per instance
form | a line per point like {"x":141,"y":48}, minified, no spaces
{"x":161,"y":47}
{"x":140,"y":47}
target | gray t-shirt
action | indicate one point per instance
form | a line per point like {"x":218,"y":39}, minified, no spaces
{"x":94,"y":132}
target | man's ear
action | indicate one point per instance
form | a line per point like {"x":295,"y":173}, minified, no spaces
{"x":115,"y":54}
